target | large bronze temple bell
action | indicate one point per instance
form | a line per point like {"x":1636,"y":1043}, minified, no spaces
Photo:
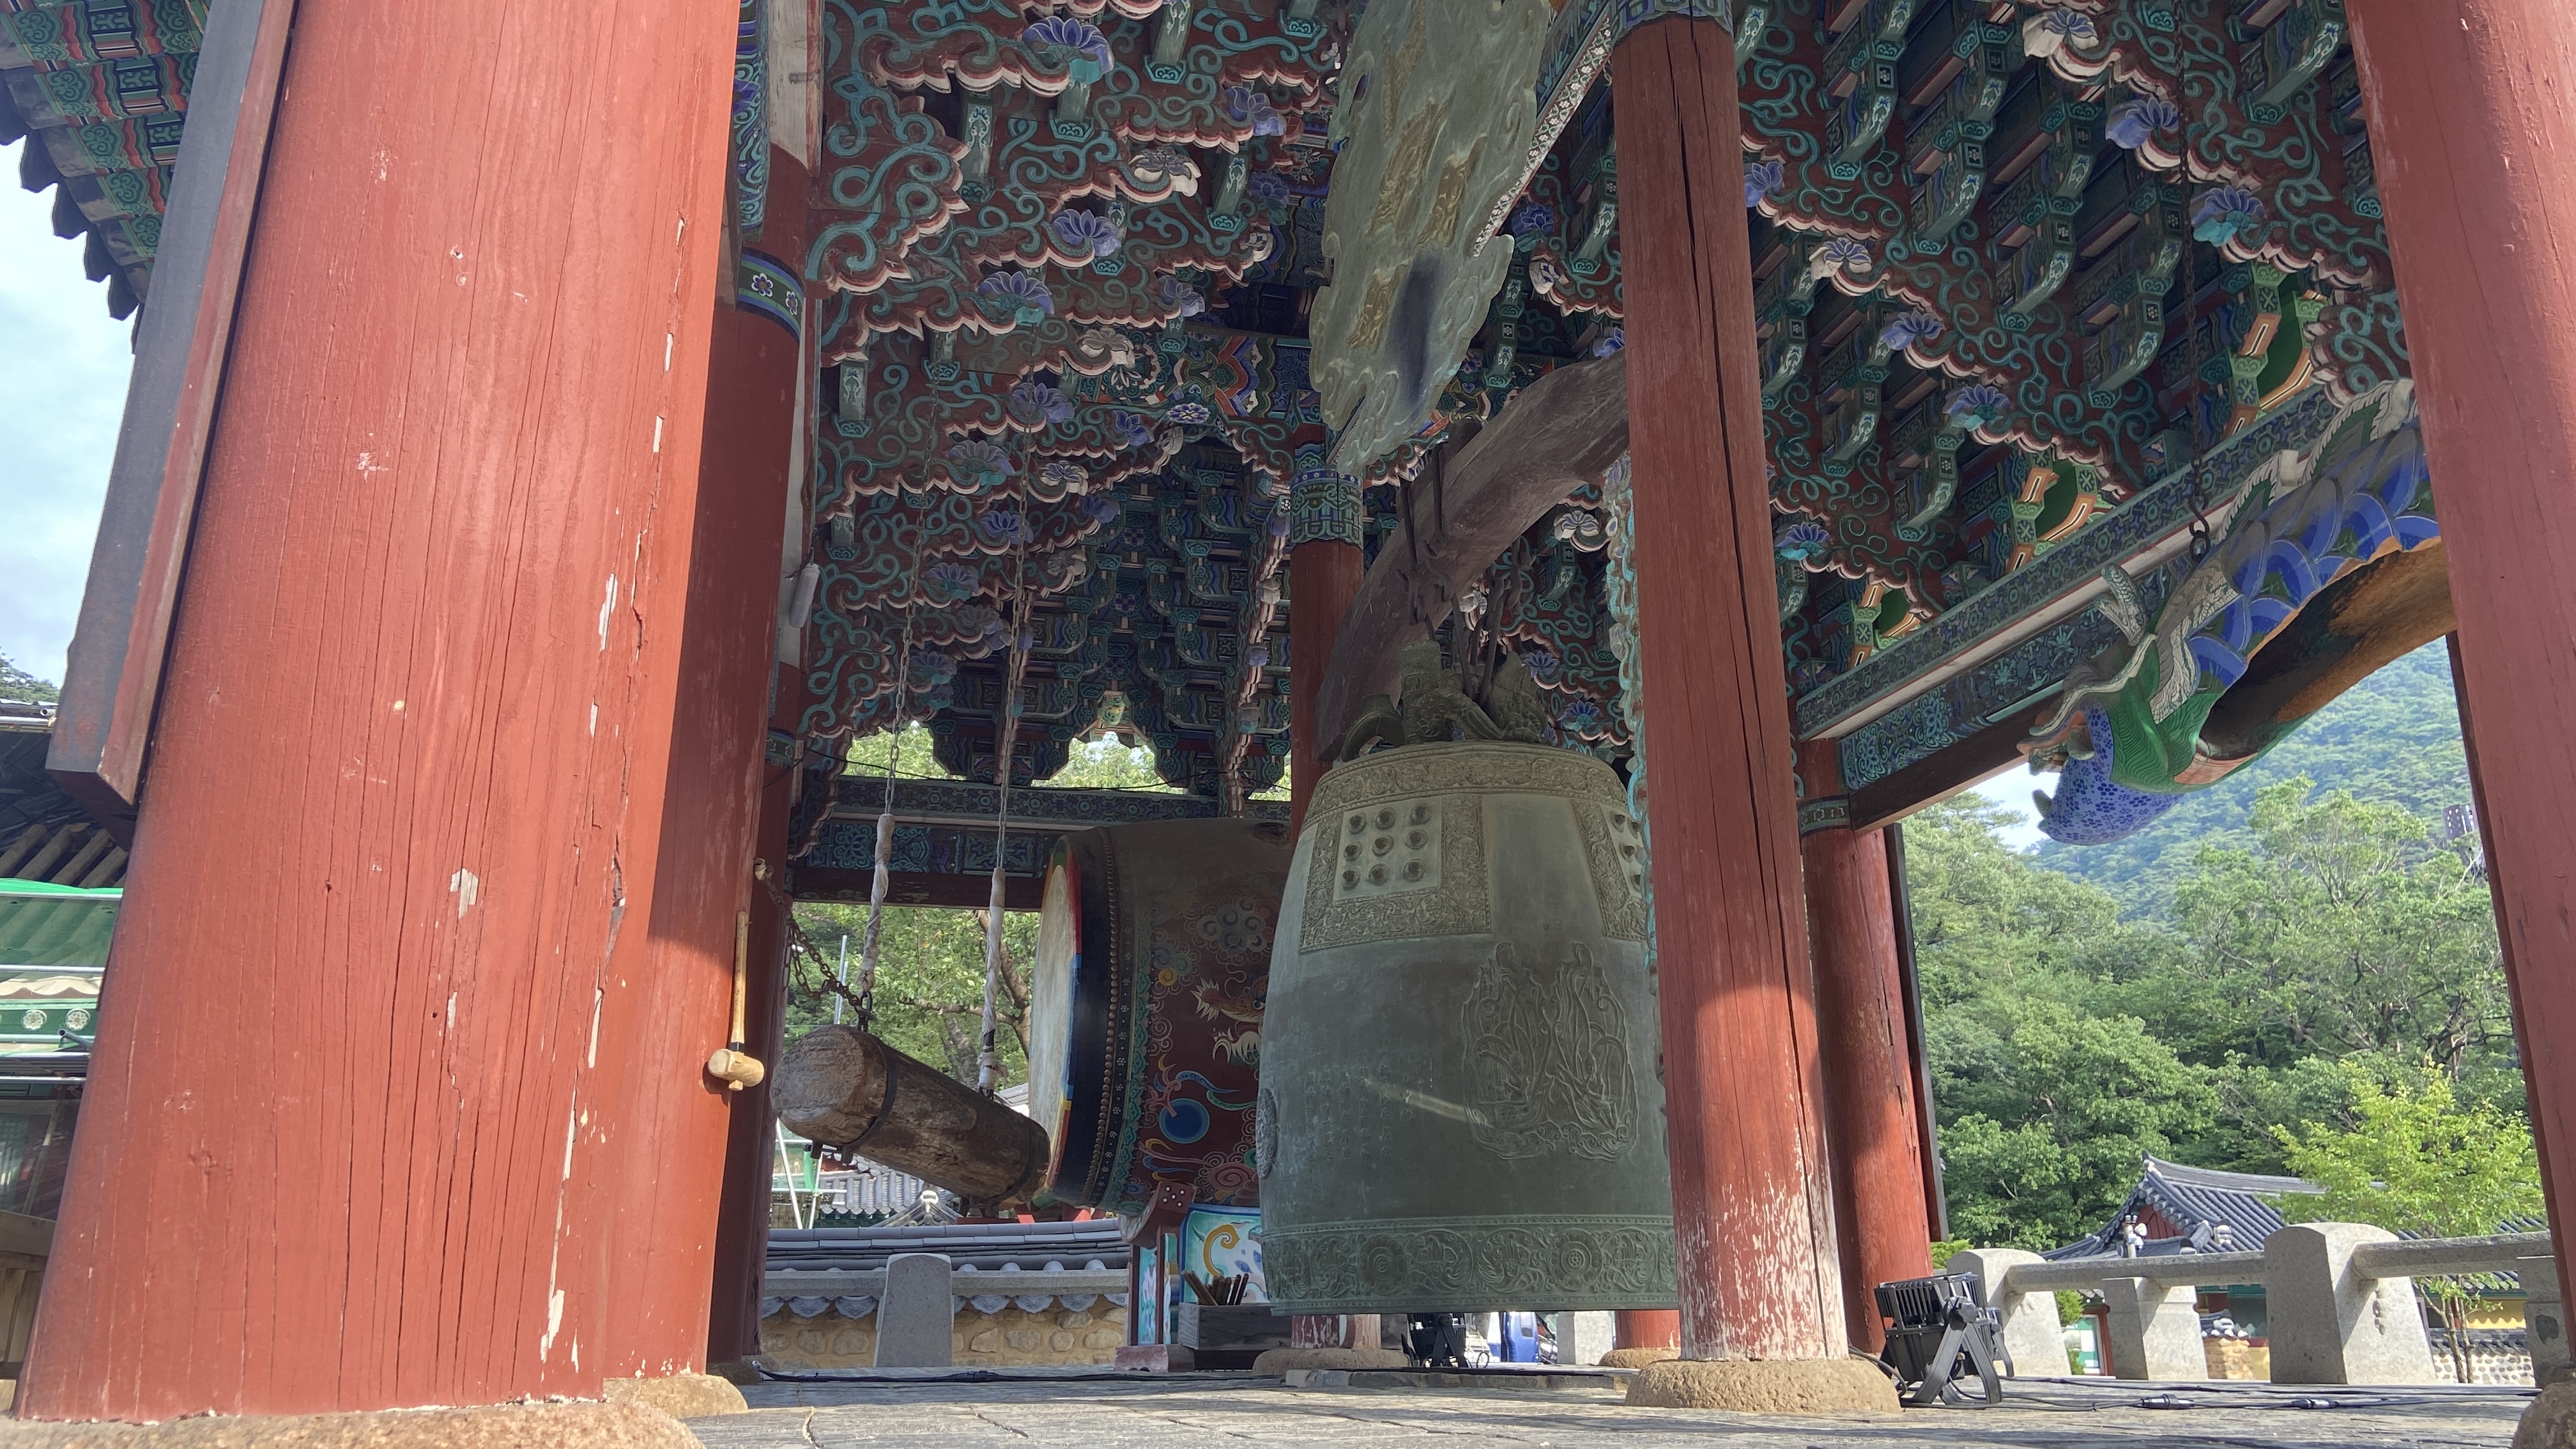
{"x":1460,"y":1107}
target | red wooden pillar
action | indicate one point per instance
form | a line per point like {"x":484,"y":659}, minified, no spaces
{"x":742,"y":1229}
{"x":752,"y":418}
{"x":1861,"y":1033}
{"x":1646,"y":1328}
{"x":2475,"y":148}
{"x":716,"y":845}
{"x":364,"y":1116}
{"x":1325,"y":566}
{"x":2515,"y":975}
{"x":1753,"y":1219}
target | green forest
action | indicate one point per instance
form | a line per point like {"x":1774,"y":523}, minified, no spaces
{"x":18,"y":684}
{"x":2273,"y":959}
{"x":2255,"y":963}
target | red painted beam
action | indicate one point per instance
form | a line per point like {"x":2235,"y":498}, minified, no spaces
{"x":1752,"y":1216}
{"x":359,"y":1126}
{"x":2475,"y":148}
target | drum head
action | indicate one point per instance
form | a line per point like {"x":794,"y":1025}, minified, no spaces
{"x":1051,"y":1002}
{"x":1069,"y":1010}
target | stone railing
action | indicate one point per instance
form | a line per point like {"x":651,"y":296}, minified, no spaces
{"x":2341,"y":1304}
{"x":826,"y":1320}
{"x":854,"y":1295}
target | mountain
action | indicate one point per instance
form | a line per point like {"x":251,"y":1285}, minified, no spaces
{"x":2394,"y":737}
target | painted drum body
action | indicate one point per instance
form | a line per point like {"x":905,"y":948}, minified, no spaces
{"x":1154,"y":951}
{"x":1460,"y":1107}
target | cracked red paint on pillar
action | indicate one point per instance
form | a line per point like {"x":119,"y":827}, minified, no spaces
{"x":2475,"y":149}
{"x":1752,"y":1217}
{"x":360,"y":1128}
{"x":1868,"y":1070}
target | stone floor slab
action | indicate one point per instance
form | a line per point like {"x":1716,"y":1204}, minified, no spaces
{"x":1097,"y":1411}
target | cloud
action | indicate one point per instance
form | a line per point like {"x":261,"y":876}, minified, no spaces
{"x":63,"y":366}
{"x":2011,"y":789}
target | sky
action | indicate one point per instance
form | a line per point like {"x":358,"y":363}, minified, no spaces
{"x":2011,"y":790}
{"x":63,"y":365}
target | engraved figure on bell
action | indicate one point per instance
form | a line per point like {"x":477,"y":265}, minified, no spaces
{"x":1548,"y":1059}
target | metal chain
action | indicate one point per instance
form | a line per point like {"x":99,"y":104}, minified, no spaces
{"x":827,"y":985}
{"x":881,"y":880}
{"x":988,"y":1059}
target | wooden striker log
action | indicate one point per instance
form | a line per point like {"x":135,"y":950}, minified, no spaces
{"x":848,"y":1090}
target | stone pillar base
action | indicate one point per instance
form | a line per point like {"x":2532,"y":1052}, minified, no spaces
{"x":1765,"y":1386}
{"x":1637,"y":1358}
{"x":2550,"y":1422}
{"x":682,"y":1396}
{"x":501,"y":1426}
{"x":1280,"y":1360}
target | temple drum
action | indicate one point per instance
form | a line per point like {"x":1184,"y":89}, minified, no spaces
{"x":848,"y":1090}
{"x":1460,"y":1108}
{"x":1145,"y":1015}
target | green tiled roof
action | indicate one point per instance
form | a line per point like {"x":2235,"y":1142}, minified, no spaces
{"x":100,"y":89}
{"x":51,"y":925}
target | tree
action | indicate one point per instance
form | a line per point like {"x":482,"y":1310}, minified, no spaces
{"x":929,"y":995}
{"x":1986,"y":919}
{"x":909,"y":749}
{"x":2418,"y":1161}
{"x":1102,"y":763}
{"x":2045,"y":1112}
{"x":2342,"y":932}
{"x":1105,"y":764}
{"x":2045,"y":1100}
{"x":2322,"y":941}
{"x":18,"y":684}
